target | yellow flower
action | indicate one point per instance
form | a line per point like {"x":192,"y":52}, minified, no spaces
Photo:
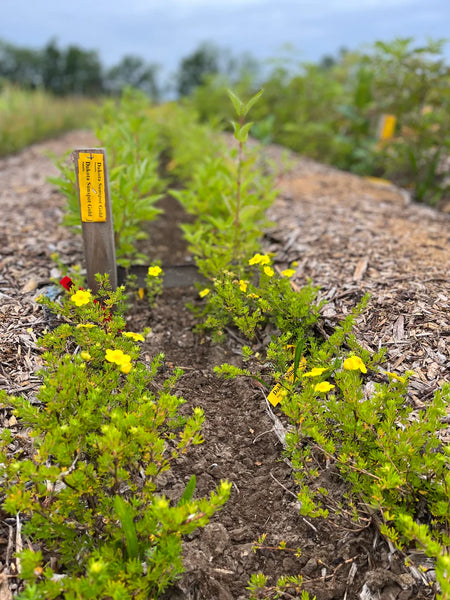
{"x":141,"y":293}
{"x":85,"y":355}
{"x":81,"y":297}
{"x":315,"y":372}
{"x":269,"y":271}
{"x":204,"y":292}
{"x":353,"y":363}
{"x":323,"y":387}
{"x":117,"y":357}
{"x":243,"y":285}
{"x":253,"y":296}
{"x":154,"y":271}
{"x":295,"y":263}
{"x":137,"y":337}
{"x":259,"y":259}
{"x":125,"y":367}
{"x":86,"y":325}
{"x":395,"y":376}
{"x":288,"y":272}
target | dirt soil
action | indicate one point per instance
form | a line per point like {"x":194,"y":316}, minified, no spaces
{"x":350,"y":236}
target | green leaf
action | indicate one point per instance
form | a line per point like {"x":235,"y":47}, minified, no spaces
{"x":297,"y":356}
{"x":189,"y":491}
{"x":242,"y":134}
{"x":251,"y":102}
{"x":237,"y":103}
{"x":125,"y":515}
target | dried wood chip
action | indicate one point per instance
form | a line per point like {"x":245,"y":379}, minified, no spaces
{"x":399,"y":328}
{"x":30,"y":286}
{"x":360,"y":269}
{"x":5,"y":592}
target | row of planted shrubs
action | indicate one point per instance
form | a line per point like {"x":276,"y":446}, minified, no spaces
{"x":337,"y":413}
{"x":332,"y":111}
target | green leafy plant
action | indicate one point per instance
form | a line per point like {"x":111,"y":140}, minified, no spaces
{"x":395,"y":464}
{"x":251,"y":296}
{"x":331,"y":112}
{"x":285,"y":587}
{"x":101,"y":437}
{"x":228,"y":197}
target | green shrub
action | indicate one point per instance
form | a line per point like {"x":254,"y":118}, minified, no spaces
{"x":101,"y":437}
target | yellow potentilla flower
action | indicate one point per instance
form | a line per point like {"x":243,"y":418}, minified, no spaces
{"x":117,"y":356}
{"x":85,"y":355}
{"x":315,"y":372}
{"x":204,"y":292}
{"x":154,"y":271}
{"x":125,"y":367}
{"x":269,"y":271}
{"x":288,"y":272}
{"x":81,"y":297}
{"x":259,"y":259}
{"x":395,"y":376}
{"x":253,"y":295}
{"x":323,"y":387}
{"x":85,"y":325}
{"x":137,"y":337}
{"x":243,"y":285}
{"x":353,"y":363}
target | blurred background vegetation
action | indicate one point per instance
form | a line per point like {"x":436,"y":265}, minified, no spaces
{"x":330,"y":110}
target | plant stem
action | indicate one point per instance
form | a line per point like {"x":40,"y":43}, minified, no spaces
{"x":237,"y":222}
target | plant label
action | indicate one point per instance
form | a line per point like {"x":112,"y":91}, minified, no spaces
{"x":91,"y":184}
{"x":278,"y":392}
{"x":91,"y":173}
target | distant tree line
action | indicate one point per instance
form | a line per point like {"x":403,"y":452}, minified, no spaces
{"x":72,"y":70}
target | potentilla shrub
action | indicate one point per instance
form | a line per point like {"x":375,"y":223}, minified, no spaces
{"x":87,"y":489}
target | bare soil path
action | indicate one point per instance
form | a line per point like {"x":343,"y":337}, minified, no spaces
{"x":350,"y":236}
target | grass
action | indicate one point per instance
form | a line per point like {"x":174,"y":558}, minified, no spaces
{"x":31,"y":116}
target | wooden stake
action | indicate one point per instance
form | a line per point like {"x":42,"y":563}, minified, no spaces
{"x":96,"y":215}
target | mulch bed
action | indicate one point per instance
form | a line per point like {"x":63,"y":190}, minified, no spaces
{"x":350,"y":236}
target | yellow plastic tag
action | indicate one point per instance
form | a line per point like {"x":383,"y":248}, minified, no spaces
{"x":278,"y":392}
{"x":388,"y":123}
{"x":91,"y":182}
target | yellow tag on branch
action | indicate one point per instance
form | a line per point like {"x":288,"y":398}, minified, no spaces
{"x":91,"y":183}
{"x":278,"y":392}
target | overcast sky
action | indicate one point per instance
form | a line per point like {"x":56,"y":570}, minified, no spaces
{"x":164,"y":31}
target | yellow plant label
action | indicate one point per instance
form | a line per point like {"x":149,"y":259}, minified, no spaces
{"x":387,"y":129}
{"x":91,"y":183}
{"x":278,"y":392}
